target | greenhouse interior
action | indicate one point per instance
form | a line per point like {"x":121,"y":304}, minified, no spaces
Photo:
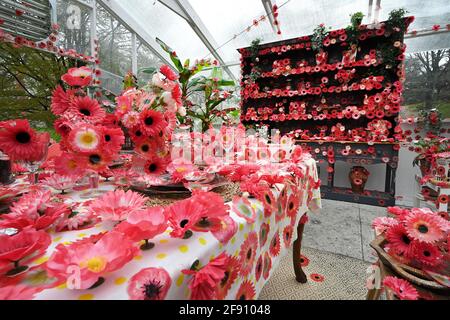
{"x":319,"y":128}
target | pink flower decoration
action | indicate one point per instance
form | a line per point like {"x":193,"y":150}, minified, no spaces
{"x":150,"y":284}
{"x":144,"y":224}
{"x":424,"y":227}
{"x":18,"y":292}
{"x":92,"y":260}
{"x":401,"y":288}
{"x":117,"y":205}
{"x":78,"y":77}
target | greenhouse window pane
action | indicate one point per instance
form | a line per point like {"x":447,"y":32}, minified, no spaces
{"x":145,"y":59}
{"x":75,"y":26}
{"x":115,"y":43}
{"x":161,"y":22}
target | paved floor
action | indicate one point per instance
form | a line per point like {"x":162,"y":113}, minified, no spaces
{"x":343,"y":228}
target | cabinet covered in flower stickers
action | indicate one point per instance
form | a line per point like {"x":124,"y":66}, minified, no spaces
{"x":338,"y":93}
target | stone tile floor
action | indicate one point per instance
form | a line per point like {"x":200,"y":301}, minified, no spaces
{"x":343,"y":228}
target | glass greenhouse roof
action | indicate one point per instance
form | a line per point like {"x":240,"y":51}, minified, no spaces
{"x":226,"y":22}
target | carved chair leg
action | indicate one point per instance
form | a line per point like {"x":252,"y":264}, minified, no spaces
{"x":300,"y":275}
{"x":373,"y":294}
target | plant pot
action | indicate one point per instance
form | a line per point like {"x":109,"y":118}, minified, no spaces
{"x":358,"y":178}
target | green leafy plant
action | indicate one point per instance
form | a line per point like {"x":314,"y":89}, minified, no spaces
{"x":319,"y":35}
{"x":396,"y":21}
{"x":353,"y":30}
{"x":212,"y":88}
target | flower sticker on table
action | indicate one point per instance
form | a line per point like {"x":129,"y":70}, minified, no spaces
{"x":275,"y":245}
{"x":246,"y":291}
{"x":227,"y":230}
{"x":267,"y":266}
{"x":247,"y":254}
{"x":259,"y":268}
{"x":149,"y":284}
{"x":287,"y":235}
{"x":264,"y":234}
{"x":84,"y":264}
{"x":243,"y":208}
{"x":293,"y":205}
{"x":231,"y":273}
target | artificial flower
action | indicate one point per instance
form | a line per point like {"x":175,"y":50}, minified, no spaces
{"x":97,"y":161}
{"x":168,"y":73}
{"x":144,"y":224}
{"x":117,"y":205}
{"x":317,"y":277}
{"x":288,"y":233}
{"x":67,"y":165}
{"x":78,"y":77}
{"x":22,"y":247}
{"x":426,"y":254}
{"x":85,"y":138}
{"x":399,"y":240}
{"x":246,"y":291}
{"x":151,"y":122}
{"x":113,"y":138}
{"x":204,"y":282}
{"x":247,"y":254}
{"x":87,"y":109}
{"x":182,"y":217}
{"x":77,"y":218}
{"x":61,"y":100}
{"x":61,"y":182}
{"x":93,"y":260}
{"x":18,"y":292}
{"x":293,"y":205}
{"x":382,"y":224}
{"x":244,"y":209}
{"x":149,"y":284}
{"x":156,"y":166}
{"x":20,"y":142}
{"x":424,"y":227}
{"x":401,"y":288}
{"x":259,"y":268}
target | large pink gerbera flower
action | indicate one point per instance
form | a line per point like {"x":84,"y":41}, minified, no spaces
{"x":182,"y":216}
{"x":149,"y":284}
{"x":61,"y":183}
{"x":156,"y":166}
{"x":117,"y":205}
{"x":399,"y":240}
{"x":247,"y":254}
{"x":78,"y":77}
{"x":144,"y":225}
{"x":424,"y":227}
{"x":92,"y":260}
{"x":427,"y":254}
{"x":87,"y":109}
{"x":67,"y":164}
{"x":381,"y":224}
{"x":113,"y":139}
{"x":401,"y":288}
{"x":168,"y":73}
{"x":231,"y":273}
{"x":152,"y":122}
{"x":61,"y":100}
{"x":204,"y":282}
{"x":19,"y":141}
{"x":85,"y":138}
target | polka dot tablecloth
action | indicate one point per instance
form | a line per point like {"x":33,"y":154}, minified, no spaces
{"x":264,"y":242}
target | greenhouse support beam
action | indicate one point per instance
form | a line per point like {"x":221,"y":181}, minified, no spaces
{"x":126,"y":19}
{"x":184,"y":9}
{"x":268,"y":6}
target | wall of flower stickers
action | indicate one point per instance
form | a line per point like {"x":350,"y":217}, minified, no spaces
{"x":336,"y":92}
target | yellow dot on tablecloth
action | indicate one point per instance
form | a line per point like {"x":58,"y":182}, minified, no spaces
{"x":212,"y":257}
{"x":57,"y":239}
{"x":87,"y":296}
{"x":120,"y":281}
{"x":236,"y":253}
{"x":202,"y":241}
{"x":62,"y":286}
{"x":163,"y":241}
{"x":81,"y":235}
{"x":41,"y":260}
{"x":252,"y":226}
{"x":161,"y":256}
{"x":180,"y":280}
{"x":137,"y":258}
{"x":246,"y":236}
{"x":241,"y":227}
{"x":233,"y":240}
{"x":261,"y":217}
{"x":67,"y":243}
{"x":220,"y":246}
{"x":183,"y":249}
